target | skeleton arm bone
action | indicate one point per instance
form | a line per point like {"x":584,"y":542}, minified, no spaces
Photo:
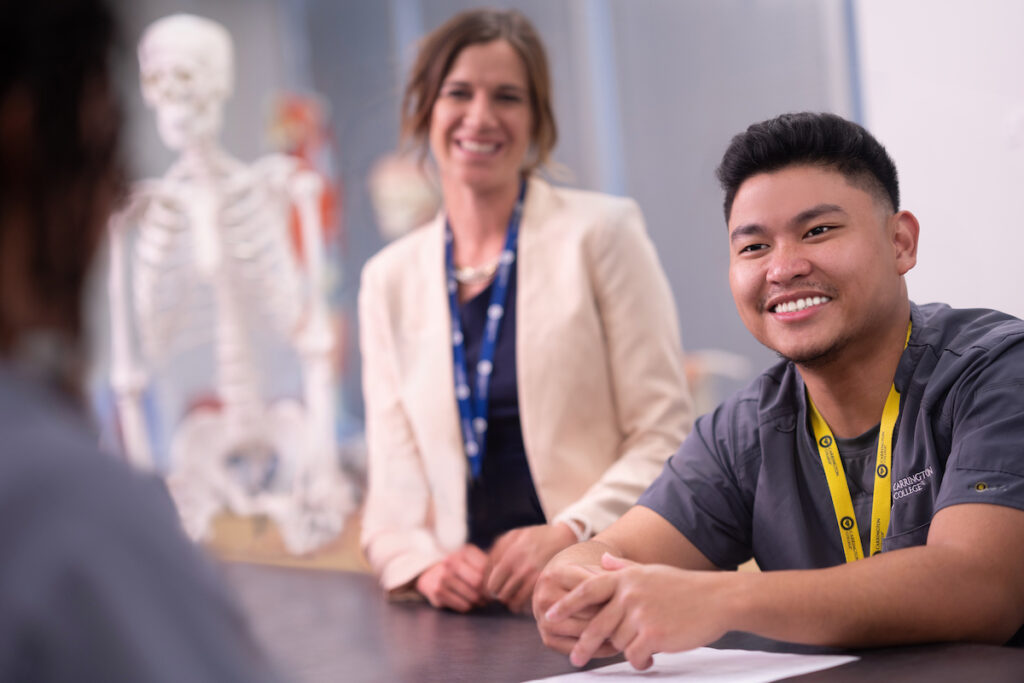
{"x":315,"y":338}
{"x":127,"y":377}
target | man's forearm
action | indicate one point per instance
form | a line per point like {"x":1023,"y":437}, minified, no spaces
{"x":913,"y":595}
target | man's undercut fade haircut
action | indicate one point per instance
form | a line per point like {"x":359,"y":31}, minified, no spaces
{"x":813,"y":139}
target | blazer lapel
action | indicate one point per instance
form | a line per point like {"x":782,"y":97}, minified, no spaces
{"x":534,"y":259}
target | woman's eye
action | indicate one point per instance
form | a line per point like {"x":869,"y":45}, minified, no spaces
{"x":457,"y":93}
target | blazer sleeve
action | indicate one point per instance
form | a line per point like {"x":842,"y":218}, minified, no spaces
{"x":396,"y":536}
{"x":645,"y":357}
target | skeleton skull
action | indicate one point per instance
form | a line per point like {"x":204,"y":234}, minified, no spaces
{"x":187,"y":72}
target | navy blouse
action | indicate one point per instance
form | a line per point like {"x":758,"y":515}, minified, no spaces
{"x":503,"y":498}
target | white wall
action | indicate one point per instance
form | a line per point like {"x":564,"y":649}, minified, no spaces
{"x":943,"y":90}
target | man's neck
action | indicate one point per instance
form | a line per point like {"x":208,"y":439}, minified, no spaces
{"x":850,"y":392}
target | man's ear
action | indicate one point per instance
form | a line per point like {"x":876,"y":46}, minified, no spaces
{"x":903,"y":230}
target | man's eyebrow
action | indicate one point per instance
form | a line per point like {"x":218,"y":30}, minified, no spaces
{"x":748,"y":230}
{"x":815,"y":211}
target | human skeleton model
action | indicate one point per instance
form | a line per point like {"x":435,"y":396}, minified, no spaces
{"x":207,"y":251}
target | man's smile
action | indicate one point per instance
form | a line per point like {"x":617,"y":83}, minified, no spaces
{"x":796,"y":305}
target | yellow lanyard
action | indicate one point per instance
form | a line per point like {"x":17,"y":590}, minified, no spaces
{"x":836,"y":476}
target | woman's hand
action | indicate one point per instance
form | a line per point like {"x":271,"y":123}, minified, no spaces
{"x":456,"y":582}
{"x":518,"y":557}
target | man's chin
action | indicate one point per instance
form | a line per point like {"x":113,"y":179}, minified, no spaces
{"x":812,"y":357}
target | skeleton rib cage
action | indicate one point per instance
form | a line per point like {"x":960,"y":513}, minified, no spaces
{"x":211,"y":260}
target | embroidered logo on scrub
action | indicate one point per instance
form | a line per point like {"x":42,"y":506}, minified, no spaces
{"x":913,"y":484}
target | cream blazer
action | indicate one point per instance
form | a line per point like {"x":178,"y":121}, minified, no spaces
{"x":602,"y":394}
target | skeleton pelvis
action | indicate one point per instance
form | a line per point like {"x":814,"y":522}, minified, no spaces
{"x":212,"y":445}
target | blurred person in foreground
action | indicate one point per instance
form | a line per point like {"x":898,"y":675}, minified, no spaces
{"x":97,"y":581}
{"x":522,"y":367}
{"x":876,"y":472}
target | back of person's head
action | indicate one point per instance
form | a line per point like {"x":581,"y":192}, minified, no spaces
{"x":438,"y":51}
{"x":59,"y":170}
{"x":809,"y":139}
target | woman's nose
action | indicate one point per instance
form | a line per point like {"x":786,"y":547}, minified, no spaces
{"x":481,"y":110}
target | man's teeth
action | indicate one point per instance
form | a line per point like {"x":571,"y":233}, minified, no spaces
{"x":478,"y":147}
{"x":800,"y":304}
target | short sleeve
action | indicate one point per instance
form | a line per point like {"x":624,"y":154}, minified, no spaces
{"x":700,"y":493}
{"x":986,"y":460}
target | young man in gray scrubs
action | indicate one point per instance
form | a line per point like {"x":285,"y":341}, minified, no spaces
{"x":888,"y":431}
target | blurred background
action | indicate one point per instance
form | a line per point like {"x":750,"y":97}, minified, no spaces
{"x":647,"y":95}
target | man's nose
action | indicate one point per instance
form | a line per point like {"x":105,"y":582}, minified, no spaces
{"x":787,"y":263}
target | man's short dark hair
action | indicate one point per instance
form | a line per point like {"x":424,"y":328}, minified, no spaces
{"x":814,"y":139}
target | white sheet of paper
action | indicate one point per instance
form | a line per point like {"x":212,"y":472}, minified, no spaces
{"x":708,"y":665}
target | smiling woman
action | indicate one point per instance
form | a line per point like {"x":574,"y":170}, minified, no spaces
{"x":508,"y":410}
{"x":480,"y":124}
{"x":434,"y":69}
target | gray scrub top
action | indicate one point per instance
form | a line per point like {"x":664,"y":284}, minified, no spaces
{"x":748,"y":482}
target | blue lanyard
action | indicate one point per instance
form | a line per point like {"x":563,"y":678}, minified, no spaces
{"x":473,"y":413}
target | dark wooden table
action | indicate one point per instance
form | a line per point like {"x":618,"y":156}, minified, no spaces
{"x":337,"y":627}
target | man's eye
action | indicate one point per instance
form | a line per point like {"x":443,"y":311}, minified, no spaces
{"x":751,"y":248}
{"x":819,"y":230}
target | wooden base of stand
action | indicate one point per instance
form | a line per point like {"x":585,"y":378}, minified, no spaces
{"x":256,"y":540}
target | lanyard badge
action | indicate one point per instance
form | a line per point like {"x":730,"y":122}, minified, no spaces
{"x":842,"y":503}
{"x":473,"y":404}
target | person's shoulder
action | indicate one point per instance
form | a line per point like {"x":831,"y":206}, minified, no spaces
{"x":55,"y":457}
{"x":771,"y":395}
{"x":772,"y":399}
{"x":583,"y":203}
{"x":593,"y":224}
{"x":50,"y":448}
{"x":45,"y":431}
{"x":576,"y":197}
{"x":961,"y":330}
{"x":408,"y":250}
